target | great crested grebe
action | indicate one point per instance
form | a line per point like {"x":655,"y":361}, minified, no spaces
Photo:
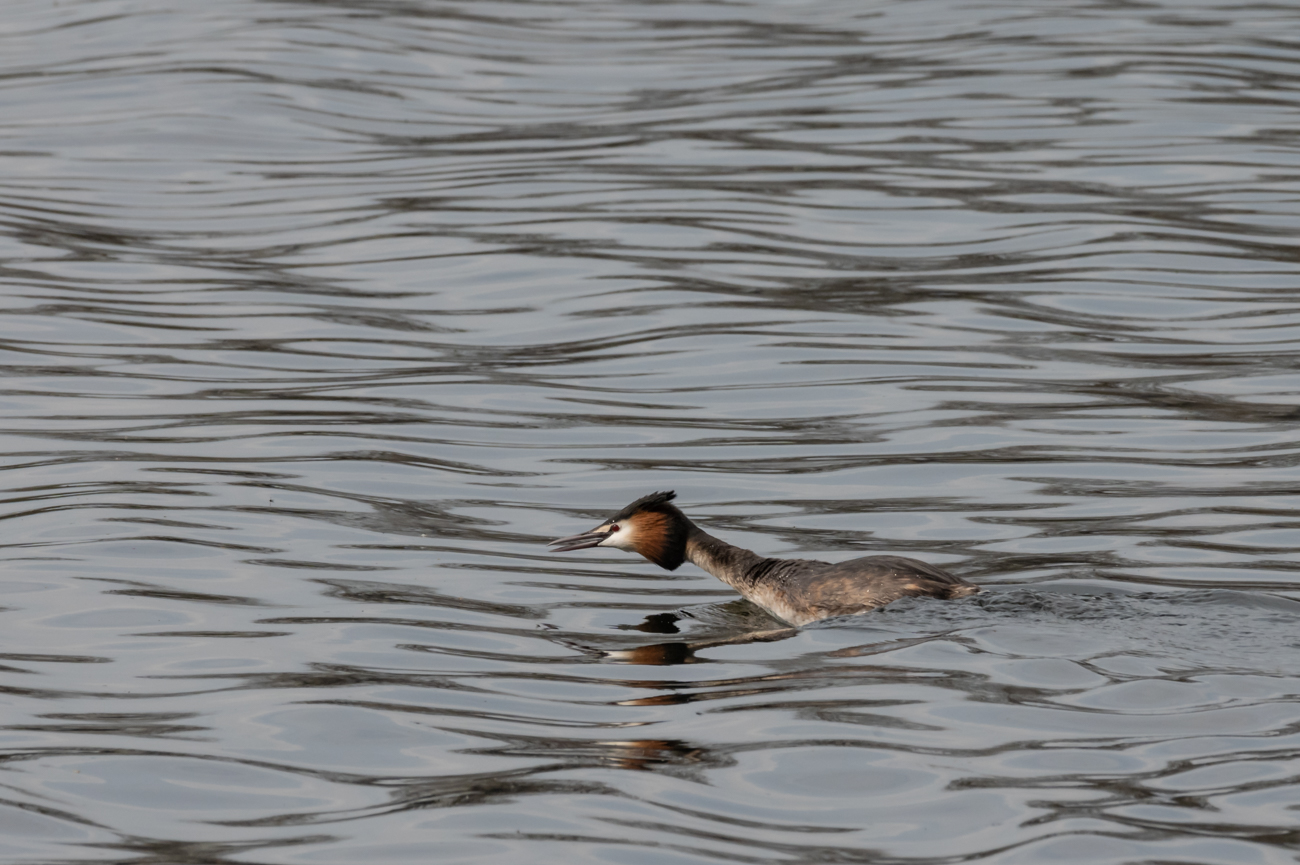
{"x":797,"y":591}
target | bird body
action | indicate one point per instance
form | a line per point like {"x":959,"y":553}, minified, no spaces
{"x":798,"y":591}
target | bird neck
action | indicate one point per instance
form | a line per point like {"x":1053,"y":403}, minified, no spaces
{"x":733,"y":565}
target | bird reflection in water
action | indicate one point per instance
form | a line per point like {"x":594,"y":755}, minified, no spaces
{"x":683,"y":651}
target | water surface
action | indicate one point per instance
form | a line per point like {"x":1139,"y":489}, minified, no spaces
{"x":321,"y":318}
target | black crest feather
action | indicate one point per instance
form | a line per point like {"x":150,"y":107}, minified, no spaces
{"x":652,"y":502}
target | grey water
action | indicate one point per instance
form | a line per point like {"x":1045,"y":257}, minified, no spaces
{"x":319,"y":319}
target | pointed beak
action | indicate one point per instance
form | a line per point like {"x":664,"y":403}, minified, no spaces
{"x":577,"y":542}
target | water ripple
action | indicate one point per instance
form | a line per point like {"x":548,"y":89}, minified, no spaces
{"x":321,"y":318}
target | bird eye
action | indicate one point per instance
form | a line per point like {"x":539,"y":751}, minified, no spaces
{"x":613,"y":528}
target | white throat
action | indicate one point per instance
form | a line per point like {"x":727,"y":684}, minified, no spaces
{"x":623,"y":539}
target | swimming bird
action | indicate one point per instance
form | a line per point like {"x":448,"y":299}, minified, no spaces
{"x":797,"y":591}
